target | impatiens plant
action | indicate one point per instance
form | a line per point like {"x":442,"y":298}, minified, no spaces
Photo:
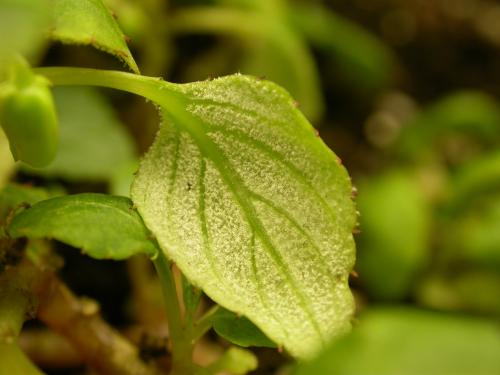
{"x":237,"y":191}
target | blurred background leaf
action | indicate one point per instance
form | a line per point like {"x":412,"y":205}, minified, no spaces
{"x":94,"y":144}
{"x":399,"y":341}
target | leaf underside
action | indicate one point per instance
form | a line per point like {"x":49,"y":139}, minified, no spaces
{"x":253,"y":208}
{"x":89,"y":22}
{"x":103,"y":226}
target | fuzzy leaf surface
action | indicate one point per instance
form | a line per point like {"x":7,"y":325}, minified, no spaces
{"x":103,"y":226}
{"x":89,"y":22}
{"x":253,"y":207}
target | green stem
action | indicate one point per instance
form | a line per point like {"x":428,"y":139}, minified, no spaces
{"x":181,"y":346}
{"x":129,"y":82}
{"x":204,"y":324}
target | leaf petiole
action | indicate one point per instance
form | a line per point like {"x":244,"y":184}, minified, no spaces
{"x":204,"y":324}
{"x":181,"y":346}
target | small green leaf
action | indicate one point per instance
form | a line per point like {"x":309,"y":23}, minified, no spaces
{"x":251,"y":205}
{"x":239,"y":330}
{"x":401,"y":341}
{"x":191,"y":298}
{"x":103,"y":226}
{"x":89,"y":22}
{"x":94,"y":144}
{"x":235,"y":361}
{"x":395,"y":224}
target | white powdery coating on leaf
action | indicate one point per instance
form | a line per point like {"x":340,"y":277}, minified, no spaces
{"x":254,"y":209}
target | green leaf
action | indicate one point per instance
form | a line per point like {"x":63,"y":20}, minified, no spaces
{"x":362,"y":57}
{"x":395,"y":225}
{"x":103,"y":226}
{"x":191,"y":298}
{"x":412,"y":342}
{"x":89,"y":22}
{"x":242,"y":194}
{"x":94,"y":145}
{"x":235,"y":361}
{"x":471,"y":114}
{"x":239,"y":330}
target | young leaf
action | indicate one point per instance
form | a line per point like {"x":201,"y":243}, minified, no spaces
{"x":103,"y":226}
{"x":89,"y":22}
{"x":242,"y":194}
{"x":239,"y":330}
{"x":236,"y":361}
{"x":93,"y":143}
{"x":412,"y":342}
